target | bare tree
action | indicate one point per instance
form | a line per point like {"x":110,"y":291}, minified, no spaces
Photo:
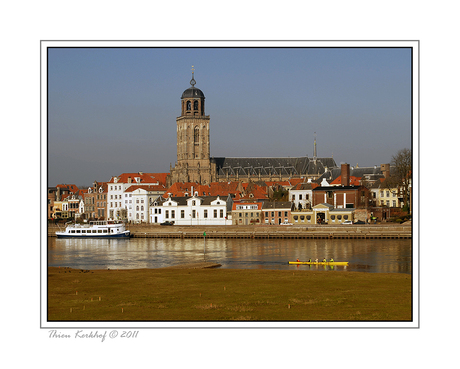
{"x":402,"y":163}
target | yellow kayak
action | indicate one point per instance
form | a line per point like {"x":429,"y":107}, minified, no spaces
{"x":319,"y":262}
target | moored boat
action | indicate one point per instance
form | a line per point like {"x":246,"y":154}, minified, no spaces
{"x":95,"y":229}
{"x":319,"y":262}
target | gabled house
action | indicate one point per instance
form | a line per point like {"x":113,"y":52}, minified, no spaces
{"x":117,"y":186}
{"x":137,"y":200}
{"x":95,"y":201}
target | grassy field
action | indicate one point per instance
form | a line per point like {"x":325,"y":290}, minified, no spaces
{"x":226,"y":295}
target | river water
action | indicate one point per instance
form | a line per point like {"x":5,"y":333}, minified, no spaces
{"x":375,"y":256}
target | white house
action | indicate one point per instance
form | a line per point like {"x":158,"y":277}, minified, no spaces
{"x":137,"y":200}
{"x":204,"y":210}
{"x":301,"y":195}
{"x":117,"y":207}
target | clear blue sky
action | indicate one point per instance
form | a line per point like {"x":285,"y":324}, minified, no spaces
{"x":113,"y":110}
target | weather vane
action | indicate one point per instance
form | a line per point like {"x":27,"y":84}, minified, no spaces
{"x":192,"y":81}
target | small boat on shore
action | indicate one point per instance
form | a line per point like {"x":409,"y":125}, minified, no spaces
{"x":319,"y":262}
{"x":95,"y":229}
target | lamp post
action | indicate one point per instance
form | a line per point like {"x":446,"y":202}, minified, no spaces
{"x":204,"y":251}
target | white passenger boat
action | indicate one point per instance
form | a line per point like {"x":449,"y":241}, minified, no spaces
{"x":95,"y":229}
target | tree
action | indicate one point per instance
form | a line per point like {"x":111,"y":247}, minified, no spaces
{"x":402,"y":163}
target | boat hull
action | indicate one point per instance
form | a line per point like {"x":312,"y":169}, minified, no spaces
{"x":319,"y":262}
{"x":117,"y":236}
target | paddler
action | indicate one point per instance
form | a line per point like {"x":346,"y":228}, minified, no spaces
{"x":324,"y":260}
{"x":332,"y":260}
{"x":309,"y":260}
{"x":298,"y":260}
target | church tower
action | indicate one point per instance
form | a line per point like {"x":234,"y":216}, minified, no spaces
{"x":193,"y":146}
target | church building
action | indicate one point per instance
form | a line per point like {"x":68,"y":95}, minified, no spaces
{"x":195,"y":164}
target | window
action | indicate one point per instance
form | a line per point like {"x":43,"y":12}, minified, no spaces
{"x":195,"y":105}
{"x":196,"y":135}
{"x":205,"y":213}
{"x":173,"y":214}
{"x":300,"y":197}
{"x":215,"y":213}
{"x":221,"y":213}
{"x":182,"y":214}
{"x":166,"y":214}
{"x":193,"y":213}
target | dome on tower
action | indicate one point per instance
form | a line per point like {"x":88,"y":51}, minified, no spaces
{"x":192,"y":92}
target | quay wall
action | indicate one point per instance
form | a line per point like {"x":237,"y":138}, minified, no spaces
{"x":393,"y":231}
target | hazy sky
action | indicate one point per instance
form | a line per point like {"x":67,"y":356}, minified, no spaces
{"x":113,"y":110}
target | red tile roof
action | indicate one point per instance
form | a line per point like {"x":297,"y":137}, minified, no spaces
{"x":354,"y":181}
{"x":146,"y":187}
{"x":144,"y":178}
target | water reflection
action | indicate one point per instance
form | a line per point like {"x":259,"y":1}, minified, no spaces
{"x":377,"y":256}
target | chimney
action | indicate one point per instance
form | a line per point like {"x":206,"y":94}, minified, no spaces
{"x":345,"y":174}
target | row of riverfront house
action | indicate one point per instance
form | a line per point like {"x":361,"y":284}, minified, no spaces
{"x":141,"y":197}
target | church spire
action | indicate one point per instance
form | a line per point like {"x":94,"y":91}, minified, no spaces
{"x":314,"y":149}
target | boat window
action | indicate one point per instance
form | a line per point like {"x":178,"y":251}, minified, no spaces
{"x":78,"y":231}
{"x":105,"y":230}
{"x":99,"y":231}
{"x":73,"y":231}
{"x":94,"y":231}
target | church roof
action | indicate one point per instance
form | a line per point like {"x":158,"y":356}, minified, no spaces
{"x":272,"y":166}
